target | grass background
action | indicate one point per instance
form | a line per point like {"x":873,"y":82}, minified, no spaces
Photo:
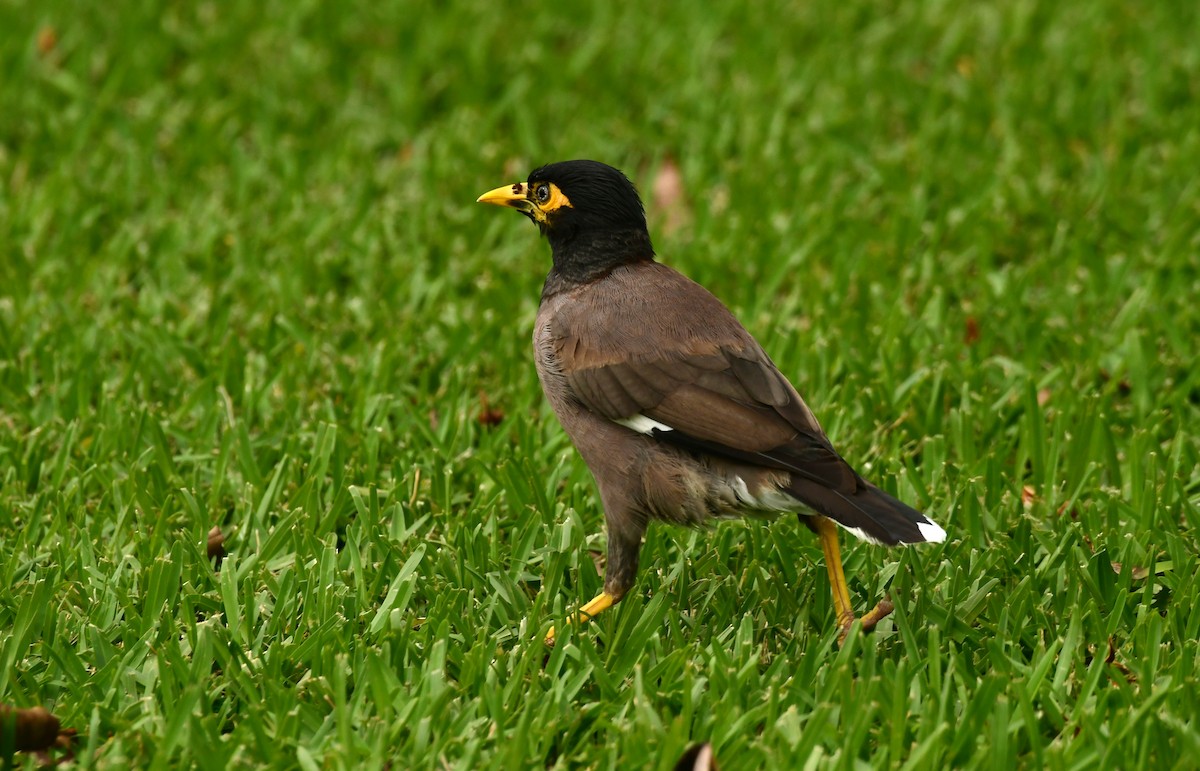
{"x":243,"y":282}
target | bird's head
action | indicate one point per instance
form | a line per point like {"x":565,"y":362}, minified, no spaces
{"x":579,"y":206}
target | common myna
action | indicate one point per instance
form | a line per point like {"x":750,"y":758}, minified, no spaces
{"x":678,"y":412}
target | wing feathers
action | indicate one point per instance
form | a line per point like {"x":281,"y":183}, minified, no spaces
{"x":761,"y":380}
{"x":640,"y":384}
{"x":713,"y":417}
{"x":734,"y":404}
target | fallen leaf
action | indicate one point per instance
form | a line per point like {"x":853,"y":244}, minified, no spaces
{"x":216,"y":544}
{"x":488,"y":416}
{"x":669,"y":198}
{"x":971,"y":334}
{"x":1136,"y":573}
{"x":47,"y":40}
{"x":1111,"y":659}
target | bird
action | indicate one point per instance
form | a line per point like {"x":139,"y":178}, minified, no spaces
{"x":678,"y":412}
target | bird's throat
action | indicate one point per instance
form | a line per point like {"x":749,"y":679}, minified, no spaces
{"x":584,"y":257}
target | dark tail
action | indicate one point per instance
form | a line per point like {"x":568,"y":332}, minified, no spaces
{"x":869,"y":513}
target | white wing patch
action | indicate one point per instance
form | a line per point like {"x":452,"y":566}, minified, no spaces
{"x":642,"y":424}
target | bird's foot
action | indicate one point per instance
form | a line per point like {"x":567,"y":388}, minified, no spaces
{"x":879,"y":613}
{"x":600,"y":602}
{"x":868,"y":622}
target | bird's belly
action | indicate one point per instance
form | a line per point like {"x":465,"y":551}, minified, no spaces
{"x":689,"y":490}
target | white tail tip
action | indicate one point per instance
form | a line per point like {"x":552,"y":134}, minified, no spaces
{"x":932,"y":533}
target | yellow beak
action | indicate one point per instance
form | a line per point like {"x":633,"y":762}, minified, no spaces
{"x":512,"y":196}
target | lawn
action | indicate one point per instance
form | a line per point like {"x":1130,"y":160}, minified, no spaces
{"x":244,"y":283}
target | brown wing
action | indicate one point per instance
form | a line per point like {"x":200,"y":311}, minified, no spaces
{"x":690,"y":366}
{"x":716,"y":411}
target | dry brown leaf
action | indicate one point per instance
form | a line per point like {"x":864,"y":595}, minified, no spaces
{"x":1111,"y":659}
{"x":488,"y":417}
{"x":971,"y":334}
{"x":1136,"y":573}
{"x":216,"y":544}
{"x":47,"y":40}
{"x":669,"y":198}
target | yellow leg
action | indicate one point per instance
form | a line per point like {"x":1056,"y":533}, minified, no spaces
{"x":600,"y":602}
{"x":827,"y":532}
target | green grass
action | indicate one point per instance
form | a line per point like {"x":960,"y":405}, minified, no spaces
{"x":243,"y":282}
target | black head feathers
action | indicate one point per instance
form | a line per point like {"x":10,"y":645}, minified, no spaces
{"x":593,"y":218}
{"x":597,"y":197}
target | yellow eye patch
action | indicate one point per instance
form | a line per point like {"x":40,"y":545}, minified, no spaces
{"x":548,"y":197}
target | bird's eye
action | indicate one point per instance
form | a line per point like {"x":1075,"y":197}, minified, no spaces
{"x":542,"y":193}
